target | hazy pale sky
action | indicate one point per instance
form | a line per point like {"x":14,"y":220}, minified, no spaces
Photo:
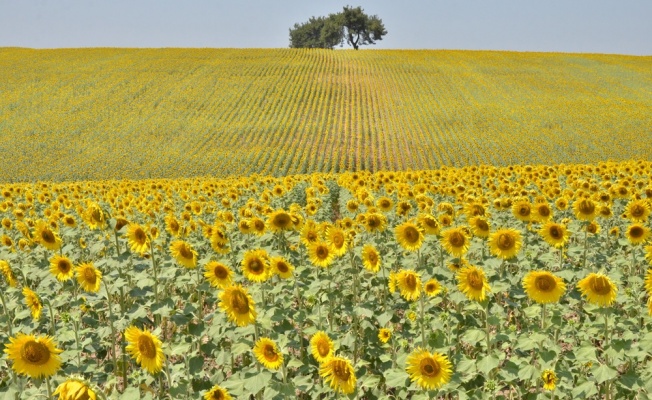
{"x":595,"y":26}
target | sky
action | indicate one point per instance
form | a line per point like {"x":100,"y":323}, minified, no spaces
{"x":580,"y":26}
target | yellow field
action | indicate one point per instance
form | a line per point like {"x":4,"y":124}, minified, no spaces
{"x":136,"y":113}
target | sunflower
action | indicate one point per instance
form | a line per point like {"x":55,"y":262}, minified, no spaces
{"x":6,"y":241}
{"x":33,"y":302}
{"x":598,"y":289}
{"x":280,"y":221}
{"x":120,"y":222}
{"x":310,"y":233}
{"x":255,"y":265}
{"x":321,"y":346}
{"x":549,"y":379}
{"x":370,"y":258}
{"x":522,"y":210}
{"x":257,"y":226}
{"x":184,"y":253}
{"x":137,"y":239}
{"x":75,"y":389}
{"x":34,"y":356}
{"x":543,"y":287}
{"x":219,"y":275}
{"x":336,"y":237}
{"x":585,"y":209}
{"x":384,"y":335}
{"x":555,"y":234}
{"x":46,"y":236}
{"x":375,"y":222}
{"x":61,"y":268}
{"x":410,"y":236}
{"x":593,"y":228}
{"x":321,"y":254}
{"x":8,"y":273}
{"x":505,"y":243}
{"x":385,"y":204}
{"x":648,"y":257}
{"x":432,"y":287}
{"x":238,"y":305}
{"x":637,"y":233}
{"x":391,"y":282}
{"x":428,"y":370}
{"x":542,"y":212}
{"x":456,"y":241}
{"x":429,"y":224}
{"x":281,"y":267}
{"x":473,"y":283}
{"x":339,"y":373}
{"x":409,"y":284}
{"x":267,"y":353}
{"x":637,"y":210}
{"x":145,"y":348}
{"x":95,"y":217}
{"x":479,"y":226}
{"x":217,"y":393}
{"x":172,"y":225}
{"x":89,"y":277}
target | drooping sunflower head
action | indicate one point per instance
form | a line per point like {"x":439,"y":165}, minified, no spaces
{"x":585,"y":209}
{"x":33,"y":356}
{"x":598,"y":289}
{"x":480,"y":226}
{"x":549,"y":379}
{"x":255,"y":265}
{"x":543,"y":287}
{"x":554,"y":234}
{"x":218,"y":274}
{"x":75,"y":389}
{"x":281,"y":267}
{"x":267,"y":353}
{"x":217,"y":393}
{"x":473,"y":283}
{"x":61,"y":267}
{"x":146,"y":348}
{"x":184,"y":254}
{"x":370,"y":258}
{"x":8,"y":273}
{"x":137,"y":238}
{"x":33,"y":301}
{"x":432,"y":287}
{"x":339,"y":374}
{"x":321,"y":254}
{"x":637,"y":233}
{"x":410,"y":236}
{"x":409,"y":284}
{"x":428,"y":370}
{"x":456,"y":241}
{"x":321,"y":346}
{"x":505,"y":243}
{"x":429,"y":224}
{"x":238,"y":305}
{"x":89,"y":277}
{"x":384,"y":334}
{"x":46,"y":236}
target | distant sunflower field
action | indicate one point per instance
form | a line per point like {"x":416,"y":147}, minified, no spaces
{"x":517,"y":282}
{"x":89,"y":114}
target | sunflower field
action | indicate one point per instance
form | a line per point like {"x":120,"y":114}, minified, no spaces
{"x":525,"y":281}
{"x":92,"y":114}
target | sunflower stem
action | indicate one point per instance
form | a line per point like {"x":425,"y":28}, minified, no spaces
{"x":117,"y":243}
{"x":7,"y":314}
{"x":607,"y":384}
{"x":561,"y":258}
{"x":543,"y":316}
{"x":586,"y":235}
{"x":299,"y":322}
{"x":48,"y":387}
{"x":75,"y":326}
{"x":113,"y":333}
{"x":488,"y":330}
{"x":52,"y":322}
{"x":423,"y":321}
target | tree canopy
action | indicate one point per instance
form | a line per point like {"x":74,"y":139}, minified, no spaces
{"x":351,"y":25}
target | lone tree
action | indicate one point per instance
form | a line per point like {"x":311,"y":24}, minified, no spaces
{"x":352,"y":25}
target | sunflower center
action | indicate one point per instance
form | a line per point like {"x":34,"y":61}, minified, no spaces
{"x":338,"y":240}
{"x":322,"y":252}
{"x":140,"y":236}
{"x":411,"y":234}
{"x":429,"y":367}
{"x":174,"y":226}
{"x":545,"y":283}
{"x":431,"y":287}
{"x":47,"y":236}
{"x":384,"y":203}
{"x":90,"y":276}
{"x":430,"y":223}
{"x":475,"y":281}
{"x":592,"y":228}
{"x":323,"y":348}
{"x":586,"y":207}
{"x":372,"y":222}
{"x":482,"y":225}
{"x":411,"y":282}
{"x":600,"y":285}
{"x":637,"y":210}
{"x":282,"y":267}
{"x":505,"y":241}
{"x":340,"y":370}
{"x":35,"y":353}
{"x":240,"y":303}
{"x":270,"y":353}
{"x":282,"y":220}
{"x":259,"y":225}
{"x":146,"y":346}
{"x":217,"y":395}
{"x":185,"y":252}
{"x":556,"y":232}
{"x":64,"y":266}
{"x":220,"y":272}
{"x":457,"y":239}
{"x":544,"y":211}
{"x":96,"y":216}
{"x":311,"y":236}
{"x":372,"y":257}
{"x":524,"y":210}
{"x":636,"y":232}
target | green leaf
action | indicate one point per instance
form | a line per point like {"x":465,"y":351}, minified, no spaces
{"x":395,"y":377}
{"x":528,"y":373}
{"x":474,"y":336}
{"x":586,"y":354}
{"x":585,"y":390}
{"x":131,"y":393}
{"x":256,"y":382}
{"x":196,"y":364}
{"x":370,"y":381}
{"x":487,"y":364}
{"x":604,"y":373}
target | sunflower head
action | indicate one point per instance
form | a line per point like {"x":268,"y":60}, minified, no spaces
{"x":238,"y":305}
{"x":471,"y":281}
{"x":543,"y":287}
{"x":337,"y":239}
{"x":410,"y":236}
{"x":33,"y":301}
{"x":321,"y":254}
{"x":428,"y":370}
{"x":549,"y":379}
{"x":218,"y":274}
{"x":321,"y":346}
{"x":370,"y":258}
{"x":89,"y":277}
{"x":554,"y":234}
{"x":384,"y":334}
{"x":522,"y":210}
{"x":61,"y":267}
{"x":432,"y":287}
{"x":267,"y":353}
{"x":8,"y":273}
{"x":375,"y":222}
{"x":456,"y":241}
{"x":598,"y":289}
{"x":33,"y":356}
{"x":75,"y":389}
{"x":137,"y":238}
{"x":46,"y":236}
{"x":281,"y":267}
{"x":429,"y":224}
{"x":146,"y":348}
{"x":585,"y":209}
{"x":256,"y":266}
{"x":184,"y":253}
{"x":637,"y":210}
{"x":505,"y":243}
{"x":480,"y":226}
{"x":409,"y":284}
{"x":339,"y":374}
{"x":217,"y":393}
{"x":279,"y":221}
{"x":637,"y":233}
